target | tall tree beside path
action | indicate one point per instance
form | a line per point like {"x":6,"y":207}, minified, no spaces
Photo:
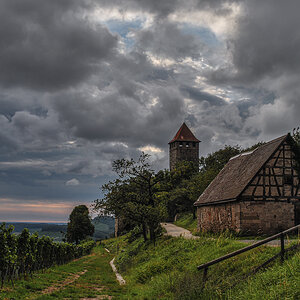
{"x":133,"y":195}
{"x":80,"y":225}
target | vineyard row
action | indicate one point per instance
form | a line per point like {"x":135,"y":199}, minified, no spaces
{"x":21,"y":255}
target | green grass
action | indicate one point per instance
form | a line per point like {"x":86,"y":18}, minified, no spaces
{"x":98,"y":280}
{"x":169,"y":270}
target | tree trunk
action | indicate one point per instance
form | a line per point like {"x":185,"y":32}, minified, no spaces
{"x":145,"y":232}
{"x":194,"y":213}
{"x":152,"y":235}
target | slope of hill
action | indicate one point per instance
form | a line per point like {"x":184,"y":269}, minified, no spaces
{"x":164,"y":271}
{"x":168,"y":270}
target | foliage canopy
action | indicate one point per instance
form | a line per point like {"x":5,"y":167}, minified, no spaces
{"x":80,"y":225}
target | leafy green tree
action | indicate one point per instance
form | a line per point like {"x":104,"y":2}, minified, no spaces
{"x":296,"y":148}
{"x":186,"y":182}
{"x":296,"y":135}
{"x":80,"y":225}
{"x":217,"y":160}
{"x":173,"y":188}
{"x":133,"y":195}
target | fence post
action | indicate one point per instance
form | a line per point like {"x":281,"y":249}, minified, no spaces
{"x":204,"y":274}
{"x":282,"y":247}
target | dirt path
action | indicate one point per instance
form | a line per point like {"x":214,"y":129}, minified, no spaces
{"x":63,"y":284}
{"x":176,"y":231}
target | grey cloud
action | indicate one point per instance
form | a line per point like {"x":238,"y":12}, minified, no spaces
{"x":49,"y":45}
{"x":198,"y":95}
{"x":73,"y":98}
{"x":168,"y":41}
{"x":162,"y":9}
{"x":264,"y":51}
{"x":114,"y":118}
{"x":266,"y":43}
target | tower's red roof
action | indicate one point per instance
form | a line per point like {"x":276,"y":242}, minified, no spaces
{"x":184,"y":134}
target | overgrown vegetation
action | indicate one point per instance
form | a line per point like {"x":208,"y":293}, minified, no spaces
{"x":24,"y":254}
{"x":169,"y":270}
{"x":87,"y":277}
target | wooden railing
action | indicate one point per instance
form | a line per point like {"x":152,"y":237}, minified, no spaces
{"x":282,"y":252}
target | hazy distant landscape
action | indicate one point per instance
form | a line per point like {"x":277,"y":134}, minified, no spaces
{"x":104,"y":228}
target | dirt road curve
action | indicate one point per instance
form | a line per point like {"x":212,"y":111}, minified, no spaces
{"x":176,"y":231}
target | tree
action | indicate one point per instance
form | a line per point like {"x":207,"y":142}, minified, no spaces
{"x":217,"y":160}
{"x":186,"y":182}
{"x":296,"y":148}
{"x":133,"y":196}
{"x":173,"y":188}
{"x":80,"y":225}
{"x":296,"y":135}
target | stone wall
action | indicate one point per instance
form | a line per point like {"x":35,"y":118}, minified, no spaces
{"x":266,"y":217}
{"x":250,"y":217}
{"x":216,"y":218}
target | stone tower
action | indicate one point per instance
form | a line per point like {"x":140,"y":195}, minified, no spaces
{"x":184,"y":146}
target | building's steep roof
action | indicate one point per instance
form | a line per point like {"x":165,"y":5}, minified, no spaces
{"x":184,"y":134}
{"x":237,"y":173}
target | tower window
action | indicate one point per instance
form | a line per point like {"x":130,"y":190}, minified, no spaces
{"x":187,"y":144}
{"x":180,"y":144}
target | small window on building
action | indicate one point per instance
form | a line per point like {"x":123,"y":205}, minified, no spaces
{"x":288,"y":179}
{"x":187,"y":144}
{"x":194,"y":144}
{"x":180,"y":144}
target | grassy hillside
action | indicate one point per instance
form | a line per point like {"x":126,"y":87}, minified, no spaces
{"x":168,"y":270}
{"x":164,"y":271}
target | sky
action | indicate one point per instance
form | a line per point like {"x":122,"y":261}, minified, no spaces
{"x":86,"y":82}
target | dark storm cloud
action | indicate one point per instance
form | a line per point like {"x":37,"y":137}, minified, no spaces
{"x":266,"y":43}
{"x":268,"y":39}
{"x":264,"y":50}
{"x":49,"y":45}
{"x":198,"y":95}
{"x":116,"y":118}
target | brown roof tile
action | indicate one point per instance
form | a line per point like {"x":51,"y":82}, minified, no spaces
{"x":184,"y":134}
{"x":237,"y":173}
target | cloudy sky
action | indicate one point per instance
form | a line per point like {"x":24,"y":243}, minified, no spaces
{"x":85,"y":82}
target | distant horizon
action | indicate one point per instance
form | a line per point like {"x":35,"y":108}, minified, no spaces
{"x":45,"y":222}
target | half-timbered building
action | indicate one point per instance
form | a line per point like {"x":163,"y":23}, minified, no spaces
{"x":256,"y":192}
